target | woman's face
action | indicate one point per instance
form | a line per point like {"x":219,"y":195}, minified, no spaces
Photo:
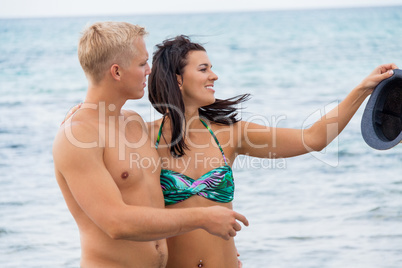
{"x":197,"y":85}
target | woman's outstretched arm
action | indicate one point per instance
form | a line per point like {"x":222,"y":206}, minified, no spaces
{"x":268,"y":142}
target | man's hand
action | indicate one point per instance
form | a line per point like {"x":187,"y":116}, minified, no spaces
{"x":223,"y":222}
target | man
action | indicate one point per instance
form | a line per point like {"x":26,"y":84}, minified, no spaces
{"x":117,"y":204}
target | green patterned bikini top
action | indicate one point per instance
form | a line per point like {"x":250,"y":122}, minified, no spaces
{"x":216,"y":185}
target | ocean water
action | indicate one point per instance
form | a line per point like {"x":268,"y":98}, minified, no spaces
{"x":341,"y":207}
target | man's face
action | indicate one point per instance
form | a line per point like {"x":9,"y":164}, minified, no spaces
{"x":136,"y":74}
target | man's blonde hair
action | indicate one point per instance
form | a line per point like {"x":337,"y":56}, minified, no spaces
{"x":105,"y":43}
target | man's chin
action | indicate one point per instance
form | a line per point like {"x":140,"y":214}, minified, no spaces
{"x":138,"y":96}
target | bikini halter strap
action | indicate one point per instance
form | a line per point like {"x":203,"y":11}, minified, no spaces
{"x":205,"y":125}
{"x":159,"y":135}
{"x":215,"y":138}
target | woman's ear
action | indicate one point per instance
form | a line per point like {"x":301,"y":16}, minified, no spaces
{"x":179,"y":80}
{"x":115,"y":72}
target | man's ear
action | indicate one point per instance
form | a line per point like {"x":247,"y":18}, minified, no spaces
{"x":115,"y":71}
{"x":179,"y":80}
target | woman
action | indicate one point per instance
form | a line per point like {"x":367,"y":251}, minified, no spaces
{"x":199,"y":138}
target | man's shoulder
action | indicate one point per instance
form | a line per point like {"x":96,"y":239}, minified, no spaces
{"x":78,"y":124}
{"x":154,"y":126}
{"x":75,"y":133}
{"x":130,"y":113}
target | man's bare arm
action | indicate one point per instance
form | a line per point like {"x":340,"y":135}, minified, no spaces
{"x":99,"y":197}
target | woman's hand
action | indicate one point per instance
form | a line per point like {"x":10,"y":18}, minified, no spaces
{"x":71,"y":112}
{"x":380,"y":73}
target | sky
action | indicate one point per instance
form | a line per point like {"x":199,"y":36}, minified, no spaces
{"x":63,"y":8}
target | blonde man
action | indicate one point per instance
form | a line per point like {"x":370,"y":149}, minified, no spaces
{"x":107,"y":168}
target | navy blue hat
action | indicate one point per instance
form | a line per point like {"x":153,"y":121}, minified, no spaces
{"x":382,"y":119}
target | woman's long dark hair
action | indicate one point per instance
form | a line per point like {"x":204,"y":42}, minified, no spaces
{"x":169,"y":60}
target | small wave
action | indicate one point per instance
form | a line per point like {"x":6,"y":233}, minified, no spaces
{"x":4,"y":232}
{"x":300,"y":238}
{"x":9,"y":104}
{"x":375,"y":209}
{"x":15,"y":146}
{"x":378,"y":214}
{"x":19,"y":248}
{"x":307,"y":238}
{"x":11,"y":204}
{"x":386,"y":236}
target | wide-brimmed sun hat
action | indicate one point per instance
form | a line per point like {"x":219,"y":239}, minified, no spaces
{"x":382,"y":118}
